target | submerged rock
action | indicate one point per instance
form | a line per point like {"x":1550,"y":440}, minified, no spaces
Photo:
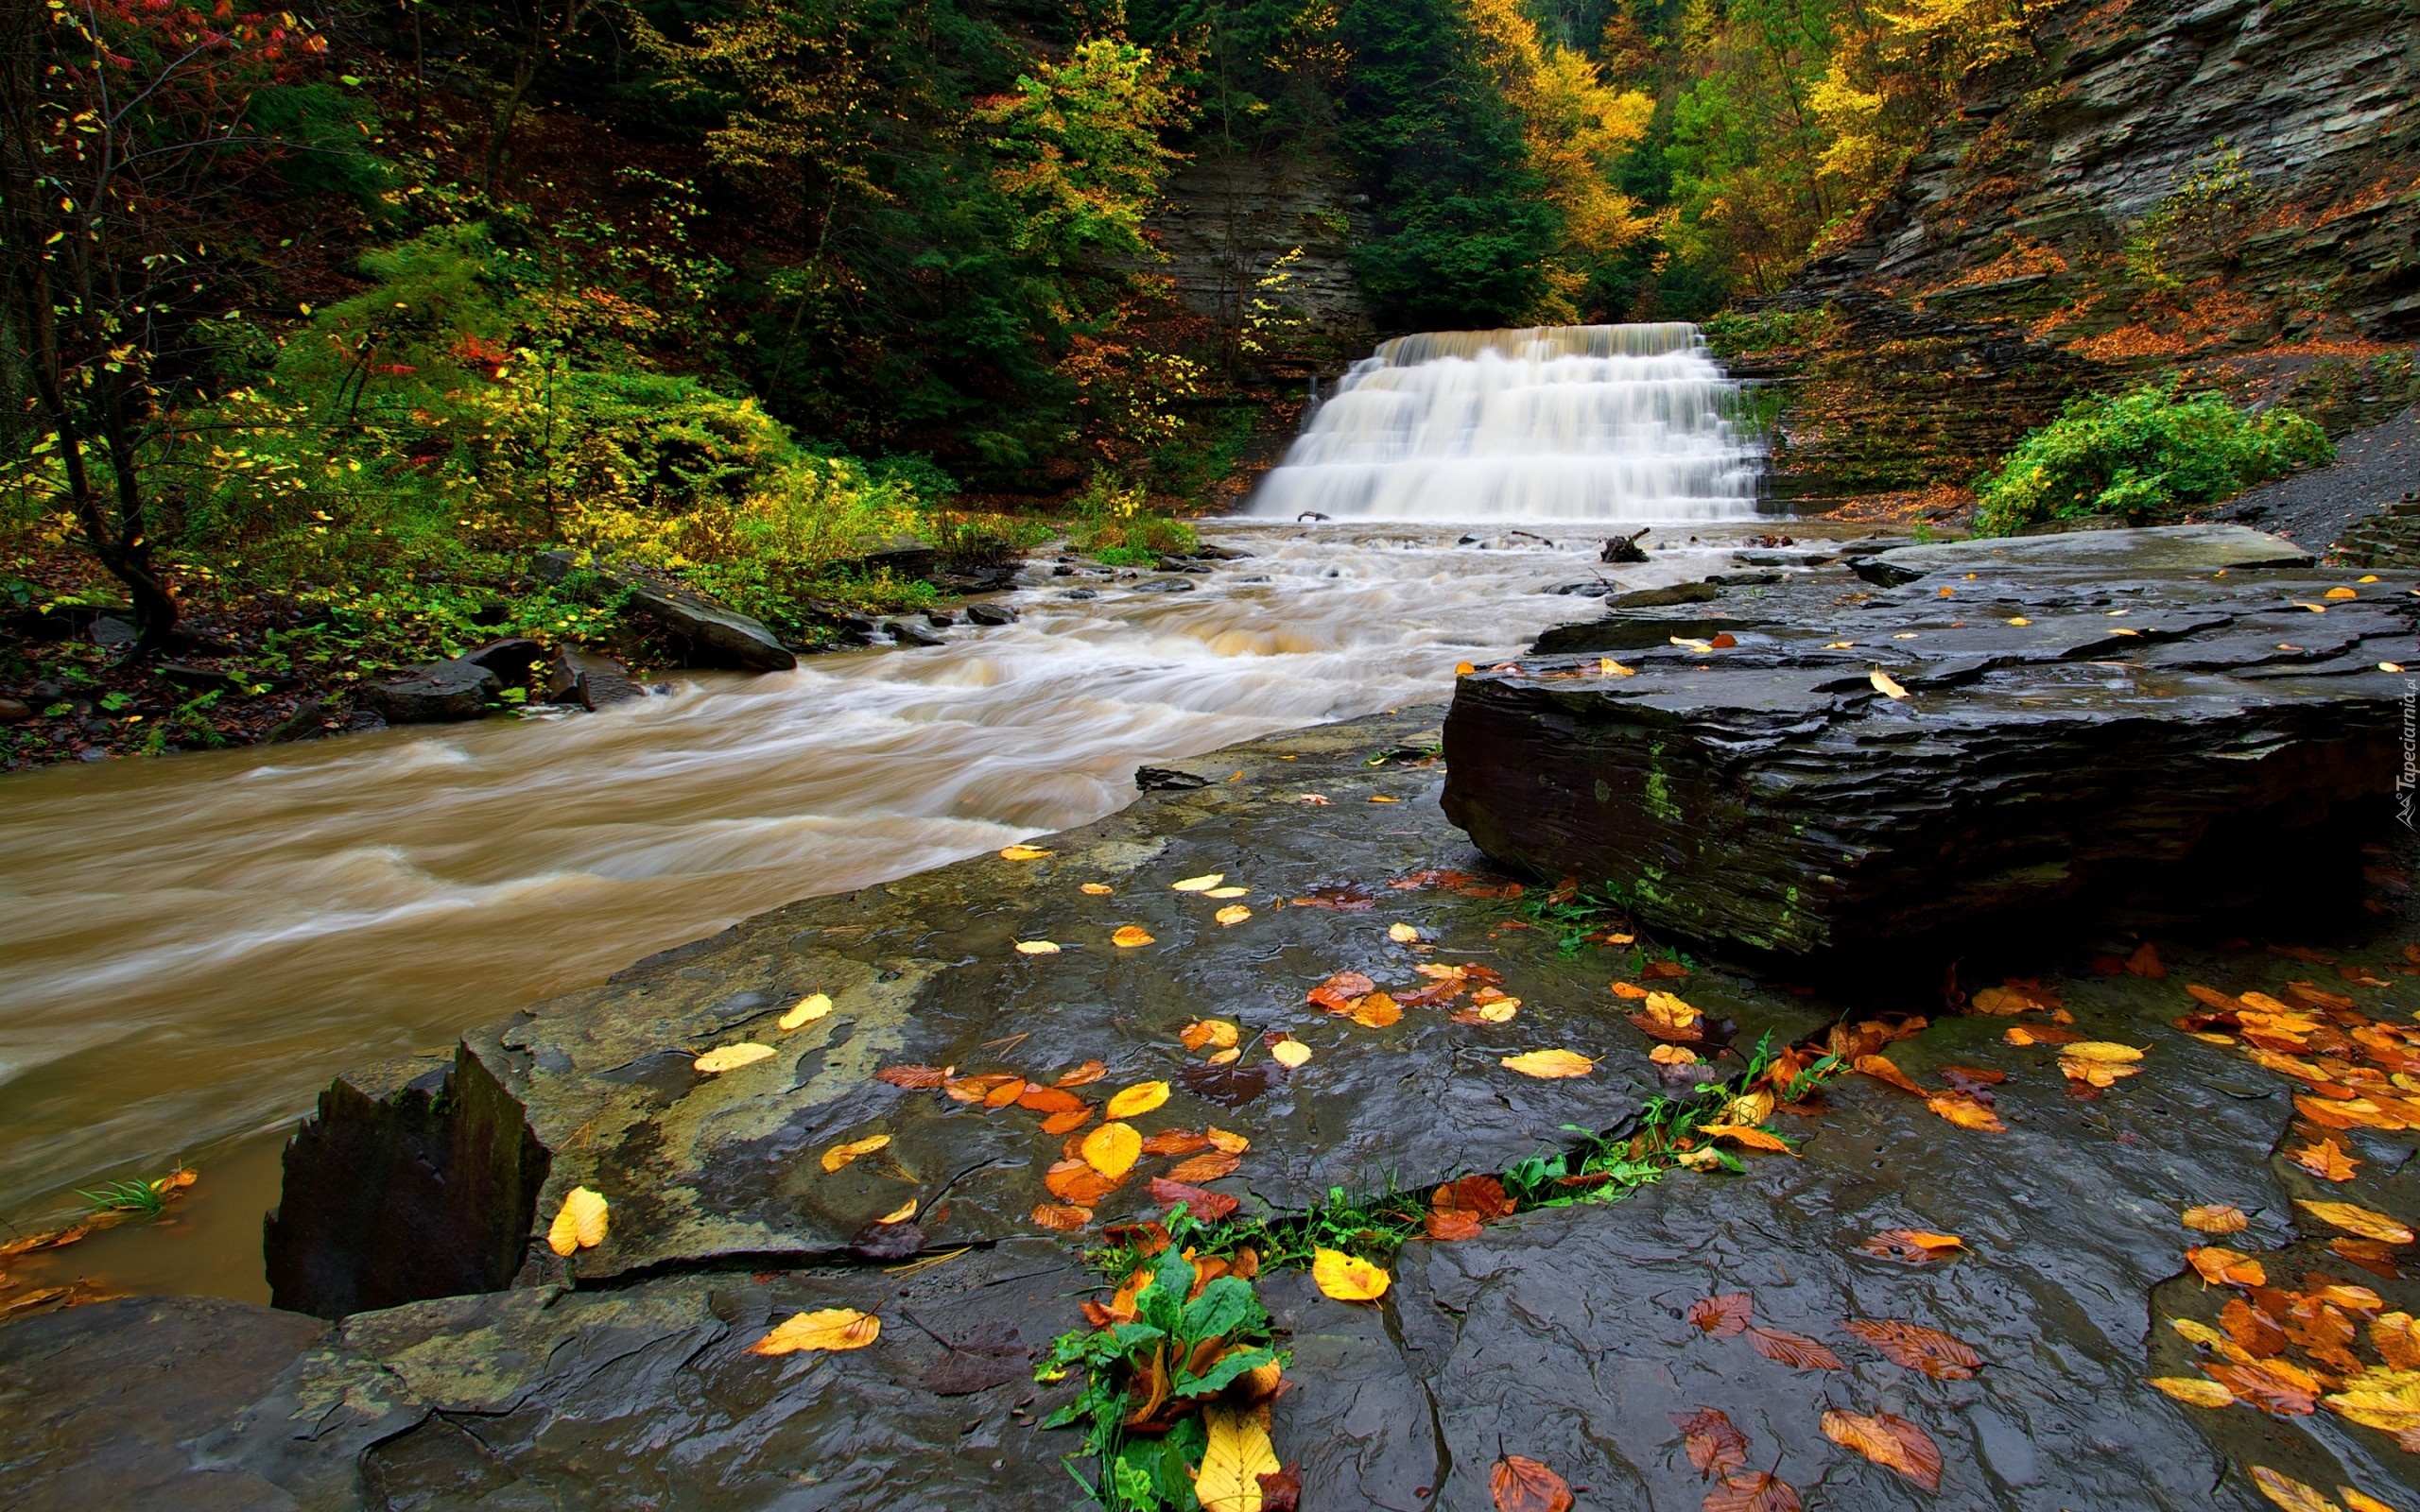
{"x":2089,"y":722}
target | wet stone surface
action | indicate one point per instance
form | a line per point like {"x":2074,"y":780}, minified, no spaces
{"x":2074,"y":739}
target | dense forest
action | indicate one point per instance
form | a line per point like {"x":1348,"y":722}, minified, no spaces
{"x":333,"y":316}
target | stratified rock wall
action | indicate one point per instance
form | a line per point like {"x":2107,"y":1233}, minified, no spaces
{"x":1227,"y":220}
{"x":2041,"y":243}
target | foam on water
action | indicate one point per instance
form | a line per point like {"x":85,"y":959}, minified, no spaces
{"x":1618,"y":423}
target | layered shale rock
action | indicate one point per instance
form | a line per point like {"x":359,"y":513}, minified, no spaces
{"x":2129,"y":720}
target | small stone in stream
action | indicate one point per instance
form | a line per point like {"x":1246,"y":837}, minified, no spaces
{"x":438,"y":694}
{"x":13,"y":711}
{"x":310,"y":719}
{"x":511,"y":658}
{"x":588,"y":679}
{"x":1167,"y":780}
{"x":908,"y":632}
{"x":1080,"y":593}
{"x":1164,"y":585}
{"x":991,"y":614}
{"x":938,"y":620}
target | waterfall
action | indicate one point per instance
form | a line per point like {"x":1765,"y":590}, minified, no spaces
{"x":1600,"y":422}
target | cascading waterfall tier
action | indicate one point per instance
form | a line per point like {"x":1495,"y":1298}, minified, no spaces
{"x":1618,"y":423}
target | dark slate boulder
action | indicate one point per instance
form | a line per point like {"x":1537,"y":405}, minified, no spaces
{"x":715,"y":636}
{"x":2156,"y":548}
{"x":584,"y":677}
{"x":439,"y":693}
{"x":510,"y":659}
{"x":2165,"y":742}
{"x":991,"y":614}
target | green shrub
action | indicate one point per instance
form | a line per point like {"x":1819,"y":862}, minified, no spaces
{"x":1115,"y":526}
{"x":2145,"y":455}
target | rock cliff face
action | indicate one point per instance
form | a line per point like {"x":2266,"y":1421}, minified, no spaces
{"x":1228,"y":220}
{"x":2228,"y":186}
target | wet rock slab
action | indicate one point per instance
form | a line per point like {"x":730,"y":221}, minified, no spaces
{"x":2119,"y":718}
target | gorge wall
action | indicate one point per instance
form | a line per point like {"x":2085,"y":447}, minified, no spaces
{"x":1227,"y":220}
{"x":2227,"y":187}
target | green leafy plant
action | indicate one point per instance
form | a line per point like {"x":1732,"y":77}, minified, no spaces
{"x":2144,"y":454}
{"x":1115,"y":526}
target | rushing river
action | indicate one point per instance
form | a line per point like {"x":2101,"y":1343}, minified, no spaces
{"x":195,"y":946}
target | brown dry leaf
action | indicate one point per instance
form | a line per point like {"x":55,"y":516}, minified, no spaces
{"x":1140,"y":1098}
{"x":2396,"y":1337}
{"x":1130,"y":935}
{"x":1098,"y":889}
{"x":1882,"y":1069}
{"x":731,"y":1058}
{"x":1664,"y":970}
{"x":1935,"y":1354}
{"x":2194,"y":1392}
{"x":1483,"y":1197}
{"x":1888,"y":1440}
{"x":1714,"y":1444}
{"x":1914,"y":1246}
{"x":1113,"y":1149}
{"x":841,"y":1155}
{"x":2278,"y":1387}
{"x":1347,"y":1277}
{"x":1722,"y":1316}
{"x":2146,"y":962}
{"x":1548,"y":1065}
{"x":2354,"y":1219}
{"x":1214,"y":1033}
{"x":1749,"y":1136}
{"x":1337,"y":993}
{"x":2290,"y":1493}
{"x":1207,"y":1206}
{"x":914,"y":1078}
{"x":2217,"y":1218}
{"x":1090,"y":1071}
{"x":1965,"y":1112}
{"x":1520,"y":1484}
{"x":1201,"y":1168}
{"x":831,"y":1328}
{"x":1376,"y":1011}
{"x":1452,"y":1224}
{"x":1176,"y":1142}
{"x":1795,"y":1350}
{"x":2326,"y":1160}
{"x":2034,"y":1034}
{"x":1221,"y":1139}
{"x":580,"y":1224}
{"x":1755,"y":1491}
{"x":979,"y":1088}
{"x":1060,"y":1218}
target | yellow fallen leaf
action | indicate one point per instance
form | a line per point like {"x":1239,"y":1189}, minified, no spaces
{"x":1140,"y":1098}
{"x":1201,"y":884}
{"x":1226,"y":1057}
{"x":1463,"y":669}
{"x":2197,"y":1331}
{"x":2367,"y":578}
{"x":1226,"y":892}
{"x":2194,"y":1391}
{"x":1290,"y":1052}
{"x":1500,"y":1010}
{"x":808,"y":1009}
{"x":2389,"y":667}
{"x":2354,"y":1219}
{"x":1607,"y":666}
{"x":1884,"y":683}
{"x":1213,"y":1034}
{"x":1674,"y":1055}
{"x":2340,"y":591}
{"x":1098,"y":889}
{"x":900,"y":1214}
{"x":831,"y":1328}
{"x":2217,"y":1218}
{"x":1022,"y":852}
{"x":581,"y":1224}
{"x":1547,"y":1065}
{"x":2290,"y":1493}
{"x":2361,"y":1501}
{"x":841,"y":1155}
{"x":2020,"y":621}
{"x":1130,"y":935}
{"x":730,"y":1057}
{"x":1347,"y":1277}
{"x":1037,"y":947}
{"x":1113,"y":1149}
{"x":1749,"y":1135}
{"x":1235,"y":1457}
{"x":1232,"y":914}
{"x":1224,"y":1143}
{"x":1837,"y":646}
{"x":2100,"y":1051}
{"x":1381,"y":797}
{"x":1403,"y":933}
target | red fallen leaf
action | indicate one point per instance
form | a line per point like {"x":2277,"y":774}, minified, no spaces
{"x":1281,"y":1489}
{"x":2304,"y":953}
{"x":1146,"y":1239}
{"x":1656,"y":970}
{"x":1724,"y":1315}
{"x":1337,"y":993}
{"x":2146,"y":962}
{"x":1449,"y":1225}
{"x":1345,"y":898}
{"x":1429,"y":877}
{"x":1716,"y":1446}
{"x":915,"y":1078}
{"x":1521,"y":1485}
{"x":1974,"y":1074}
{"x":1175,"y":1141}
{"x":1918,"y":1347}
{"x":1724,"y":640}
{"x":2106,"y":965}
{"x":1911,"y":1247}
{"x":1207,"y":1206}
{"x":1795,"y":1350}
{"x":1091,"y":1070}
{"x":1481,"y":1197}
{"x":1891,"y":1441}
{"x":1757,"y":1491}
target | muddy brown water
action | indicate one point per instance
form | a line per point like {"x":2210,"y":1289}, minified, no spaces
{"x":194,"y":946}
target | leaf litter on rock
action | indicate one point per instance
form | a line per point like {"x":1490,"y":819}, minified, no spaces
{"x":1518,"y":1484}
{"x":1935,"y":1354}
{"x":1888,"y":1440}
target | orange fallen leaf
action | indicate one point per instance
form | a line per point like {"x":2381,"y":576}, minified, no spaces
{"x":1374,"y":1010}
{"x":2220,"y":1266}
{"x":2194,"y":1392}
{"x":1965,"y":1112}
{"x":2326,"y":1159}
{"x":1205,"y":1167}
{"x":1520,"y":1484}
{"x":1714,"y":1444}
{"x":1548,"y":1065}
{"x":1091,"y":1070}
{"x":2367,"y":1223}
{"x":1750,"y":1491}
{"x":1914,"y":1246}
{"x":914,"y":1078}
{"x":2146,"y":962}
{"x":1130,"y":935}
{"x":1452,"y":1224}
{"x":1749,"y":1136}
{"x":1061,"y":1218}
{"x":1888,"y":1440}
{"x":2217,"y":1218}
{"x":1935,"y":1354}
{"x":1076,"y":1184}
{"x":1722,"y":1316}
{"x":1222,"y":1140}
{"x":1068,"y":1122}
{"x":1795,"y":1350}
{"x":1882,"y":1069}
{"x":1048,"y":1099}
{"x":1214,"y":1033}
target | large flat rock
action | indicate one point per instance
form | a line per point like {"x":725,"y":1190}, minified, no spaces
{"x":2152,"y":548}
{"x":2074,"y":736}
